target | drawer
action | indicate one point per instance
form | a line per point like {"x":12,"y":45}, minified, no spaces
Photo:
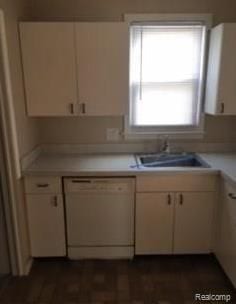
{"x":180,"y":182}
{"x":43,"y":184}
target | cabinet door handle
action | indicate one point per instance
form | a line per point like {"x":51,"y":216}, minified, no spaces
{"x":72,"y":110}
{"x":169,"y":199}
{"x":181,"y":199}
{"x":222,"y":107}
{"x":54,"y":201}
{"x":83,"y":105}
{"x":42,"y":185}
{"x":232,"y":195}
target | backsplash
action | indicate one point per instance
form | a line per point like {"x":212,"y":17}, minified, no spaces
{"x":93,"y":130}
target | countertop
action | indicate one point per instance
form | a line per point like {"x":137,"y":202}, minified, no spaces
{"x":100,"y":164}
{"x":223,"y":162}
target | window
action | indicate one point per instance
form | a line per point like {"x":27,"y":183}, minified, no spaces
{"x":166,"y":72}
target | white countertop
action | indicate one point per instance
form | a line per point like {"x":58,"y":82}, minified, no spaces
{"x":99,"y":164}
{"x":224,"y":162}
{"x":77,"y":164}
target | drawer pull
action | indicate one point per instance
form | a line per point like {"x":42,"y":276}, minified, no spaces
{"x":42,"y":185}
{"x":233,"y":196}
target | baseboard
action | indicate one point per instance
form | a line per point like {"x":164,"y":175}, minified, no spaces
{"x":119,"y":252}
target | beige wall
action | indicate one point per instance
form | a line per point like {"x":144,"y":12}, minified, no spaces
{"x":90,"y":130}
{"x":26,"y":128}
{"x":93,"y":130}
{"x":114,"y":9}
{"x":27,"y":133}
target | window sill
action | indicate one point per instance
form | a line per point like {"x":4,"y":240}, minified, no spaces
{"x":184,"y":133}
{"x":156,"y":135}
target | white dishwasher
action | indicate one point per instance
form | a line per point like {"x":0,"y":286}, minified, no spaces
{"x":100,"y":217}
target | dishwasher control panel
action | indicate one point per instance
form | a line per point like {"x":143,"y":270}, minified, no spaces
{"x":105,"y":185}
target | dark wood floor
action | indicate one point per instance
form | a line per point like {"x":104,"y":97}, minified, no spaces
{"x":152,"y":280}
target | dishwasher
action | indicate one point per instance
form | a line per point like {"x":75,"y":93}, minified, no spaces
{"x":100,"y":217}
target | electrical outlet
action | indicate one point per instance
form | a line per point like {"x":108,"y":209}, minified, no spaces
{"x":113,"y":134}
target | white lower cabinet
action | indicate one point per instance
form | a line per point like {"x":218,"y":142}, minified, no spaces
{"x":46,"y":220}
{"x":174,"y":222}
{"x":193,"y":222}
{"x":154,"y":223}
{"x":225,"y":248}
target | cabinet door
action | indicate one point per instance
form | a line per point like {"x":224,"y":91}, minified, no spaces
{"x":227,"y":77}
{"x":226,"y":232}
{"x":48,"y":54}
{"x":193,"y":222}
{"x":221,"y":75}
{"x":154,"y":223}
{"x":46,"y":225}
{"x":103,"y":67}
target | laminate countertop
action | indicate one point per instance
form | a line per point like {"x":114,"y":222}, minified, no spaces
{"x":225,"y":163}
{"x":104,"y":165}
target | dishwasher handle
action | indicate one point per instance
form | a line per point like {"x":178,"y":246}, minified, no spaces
{"x":81,"y":181}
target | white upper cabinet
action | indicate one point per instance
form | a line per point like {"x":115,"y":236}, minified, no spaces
{"x":48,"y":56}
{"x":102,"y":50}
{"x":75,"y":68}
{"x":221,"y":74}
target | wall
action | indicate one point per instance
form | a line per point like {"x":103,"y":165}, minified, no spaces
{"x":113,"y":9}
{"x":93,"y":130}
{"x":90,"y":130}
{"x":26,"y":128}
{"x":27,"y":134}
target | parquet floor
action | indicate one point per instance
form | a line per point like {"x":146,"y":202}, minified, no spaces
{"x":144,"y":280}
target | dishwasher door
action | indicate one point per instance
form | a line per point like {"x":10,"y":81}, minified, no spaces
{"x":100,"y":217}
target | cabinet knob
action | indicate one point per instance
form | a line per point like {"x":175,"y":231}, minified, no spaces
{"x":169,"y":199}
{"x":54,"y":201}
{"x":232,"y":196}
{"x":181,"y":199}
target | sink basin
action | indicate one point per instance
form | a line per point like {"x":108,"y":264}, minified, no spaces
{"x":170,"y":160}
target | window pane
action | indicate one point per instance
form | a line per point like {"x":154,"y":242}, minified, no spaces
{"x":165,"y":75}
{"x":167,"y":104}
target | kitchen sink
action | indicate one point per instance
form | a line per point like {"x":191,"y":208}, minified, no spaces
{"x":170,"y":160}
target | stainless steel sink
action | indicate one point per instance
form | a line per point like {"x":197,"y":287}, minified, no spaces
{"x":170,"y":160}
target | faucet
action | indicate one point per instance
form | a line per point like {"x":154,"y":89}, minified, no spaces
{"x":165,"y":147}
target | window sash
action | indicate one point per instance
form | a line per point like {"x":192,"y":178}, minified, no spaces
{"x":155,"y":107}
{"x":138,"y":85}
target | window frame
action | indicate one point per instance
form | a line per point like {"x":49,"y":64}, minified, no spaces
{"x":149,"y":132}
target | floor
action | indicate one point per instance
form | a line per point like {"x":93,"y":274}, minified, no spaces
{"x":151,"y":280}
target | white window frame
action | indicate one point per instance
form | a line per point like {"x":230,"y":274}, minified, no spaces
{"x":142,"y":132}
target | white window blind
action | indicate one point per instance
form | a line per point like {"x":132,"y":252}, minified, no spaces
{"x":166,"y":74}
